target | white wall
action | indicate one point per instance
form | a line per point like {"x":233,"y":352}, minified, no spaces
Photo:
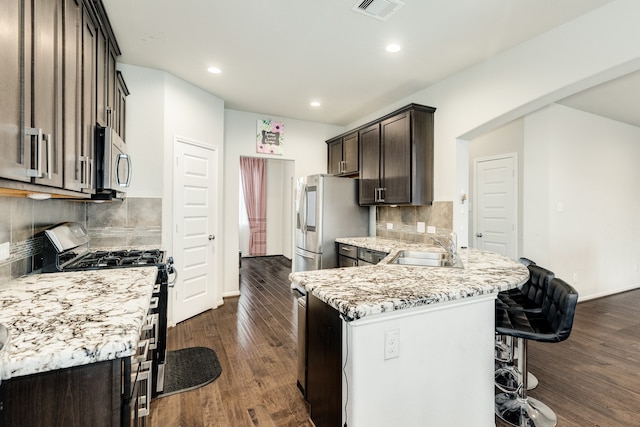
{"x":280,"y":187}
{"x":587,"y":51}
{"x":160,"y":108}
{"x":145,"y":130}
{"x":589,"y":166}
{"x":304,"y":143}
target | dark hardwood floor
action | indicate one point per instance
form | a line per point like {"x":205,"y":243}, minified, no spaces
{"x":592,"y":379}
{"x":254,"y":336}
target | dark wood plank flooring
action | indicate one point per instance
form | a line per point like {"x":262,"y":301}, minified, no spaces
{"x":254,"y":336}
{"x":592,"y":379}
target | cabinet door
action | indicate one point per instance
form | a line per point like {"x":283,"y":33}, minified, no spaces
{"x":120,"y":108}
{"x":350,"y":154}
{"x":72,"y":52}
{"x":102,"y":87}
{"x":335,"y":157}
{"x":111,"y":85}
{"x":88,"y":99}
{"x":43,"y":97}
{"x":369,"y":164}
{"x":395,"y":170}
{"x":15,"y":153}
{"x":324,"y":363}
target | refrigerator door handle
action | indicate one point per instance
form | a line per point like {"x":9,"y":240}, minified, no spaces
{"x":305,"y":256}
{"x":303,"y":210}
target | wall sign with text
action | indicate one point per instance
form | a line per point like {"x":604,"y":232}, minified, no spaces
{"x":270,"y":137}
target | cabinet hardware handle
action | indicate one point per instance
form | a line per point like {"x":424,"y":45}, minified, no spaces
{"x":37,"y":132}
{"x":49,"y":146}
{"x":478,"y":234}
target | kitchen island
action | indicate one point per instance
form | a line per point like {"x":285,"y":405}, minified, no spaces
{"x":70,"y":335}
{"x":416,"y":342}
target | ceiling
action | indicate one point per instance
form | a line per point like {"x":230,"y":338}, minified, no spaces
{"x":276,"y":56}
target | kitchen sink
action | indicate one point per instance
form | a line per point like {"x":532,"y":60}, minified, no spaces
{"x":426,"y":259}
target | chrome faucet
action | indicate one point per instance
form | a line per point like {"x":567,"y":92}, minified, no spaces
{"x":450,"y":247}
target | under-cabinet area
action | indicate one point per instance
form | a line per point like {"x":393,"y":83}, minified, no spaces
{"x":352,"y":256}
{"x":60,"y":83}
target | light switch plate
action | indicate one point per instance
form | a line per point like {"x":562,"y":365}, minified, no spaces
{"x":420,"y":227}
{"x":5,"y":251}
{"x":431,"y":229}
{"x":389,"y":226}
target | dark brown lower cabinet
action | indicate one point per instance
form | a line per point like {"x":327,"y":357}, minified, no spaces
{"x":88,"y":395}
{"x":324,"y":363}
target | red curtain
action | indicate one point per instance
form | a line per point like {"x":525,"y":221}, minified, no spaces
{"x":254,"y":186}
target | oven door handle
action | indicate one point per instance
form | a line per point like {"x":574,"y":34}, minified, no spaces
{"x":173,"y":271}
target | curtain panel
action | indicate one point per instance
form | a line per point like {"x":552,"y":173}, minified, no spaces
{"x":254,"y":186}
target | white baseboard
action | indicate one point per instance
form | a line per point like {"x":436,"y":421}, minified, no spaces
{"x":608,"y":293}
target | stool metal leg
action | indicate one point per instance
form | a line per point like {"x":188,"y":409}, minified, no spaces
{"x":506,"y":375}
{"x":517,"y":408}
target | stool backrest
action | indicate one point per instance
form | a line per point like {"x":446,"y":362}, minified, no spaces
{"x":525,"y":261}
{"x":559,"y":307}
{"x":536,"y":287}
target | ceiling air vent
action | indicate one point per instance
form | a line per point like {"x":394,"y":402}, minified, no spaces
{"x":379,"y":9}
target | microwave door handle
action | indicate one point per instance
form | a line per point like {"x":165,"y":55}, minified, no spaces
{"x":119,"y":181}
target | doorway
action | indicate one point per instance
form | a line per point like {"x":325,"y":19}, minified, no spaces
{"x":279,"y":185}
{"x":495,"y":204}
{"x":195,"y":192}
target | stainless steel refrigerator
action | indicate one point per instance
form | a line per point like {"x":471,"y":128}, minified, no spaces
{"x":326,"y":208}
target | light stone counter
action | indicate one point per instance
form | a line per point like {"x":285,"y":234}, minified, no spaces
{"x":60,"y":320}
{"x":357,"y":292}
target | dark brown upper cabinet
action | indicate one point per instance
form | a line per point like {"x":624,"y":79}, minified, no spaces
{"x":398,"y":170}
{"x":343,"y":155}
{"x":395,"y":157}
{"x":30,"y":111}
{"x":59,"y":81}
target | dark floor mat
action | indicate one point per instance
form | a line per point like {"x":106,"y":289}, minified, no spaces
{"x":189,"y":368}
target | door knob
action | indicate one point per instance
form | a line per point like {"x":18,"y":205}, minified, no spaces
{"x":212,"y":237}
{"x":478,"y":234}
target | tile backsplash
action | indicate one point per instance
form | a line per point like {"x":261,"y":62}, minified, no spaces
{"x":132,"y":222}
{"x":404,"y":220}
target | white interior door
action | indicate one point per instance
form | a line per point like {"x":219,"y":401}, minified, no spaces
{"x":496,"y":205}
{"x":195,"y":197}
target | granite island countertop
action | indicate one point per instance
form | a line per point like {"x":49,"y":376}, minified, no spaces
{"x":61,"y":320}
{"x":357,"y":292}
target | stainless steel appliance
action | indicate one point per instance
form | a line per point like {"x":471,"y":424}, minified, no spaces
{"x":65,"y":248}
{"x":113,"y":165}
{"x":326,"y":208}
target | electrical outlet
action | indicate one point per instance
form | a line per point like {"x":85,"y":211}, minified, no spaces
{"x":5,"y":251}
{"x":391,"y":344}
{"x":420,"y":227}
{"x":389,"y":226}
{"x":431,"y":229}
{"x":575,"y":279}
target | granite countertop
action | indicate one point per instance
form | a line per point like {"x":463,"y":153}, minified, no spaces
{"x":357,"y":292}
{"x":60,"y":320}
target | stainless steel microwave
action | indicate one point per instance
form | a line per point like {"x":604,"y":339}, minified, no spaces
{"x":113,"y":164}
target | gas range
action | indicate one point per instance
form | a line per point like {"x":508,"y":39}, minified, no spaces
{"x":65,"y":248}
{"x":113,"y":259}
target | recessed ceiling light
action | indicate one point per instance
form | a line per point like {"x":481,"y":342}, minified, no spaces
{"x":393,"y":48}
{"x":214,"y":70}
{"x":314,"y":103}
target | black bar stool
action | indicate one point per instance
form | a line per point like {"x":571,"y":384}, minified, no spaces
{"x":527,"y":298}
{"x":552,"y":324}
